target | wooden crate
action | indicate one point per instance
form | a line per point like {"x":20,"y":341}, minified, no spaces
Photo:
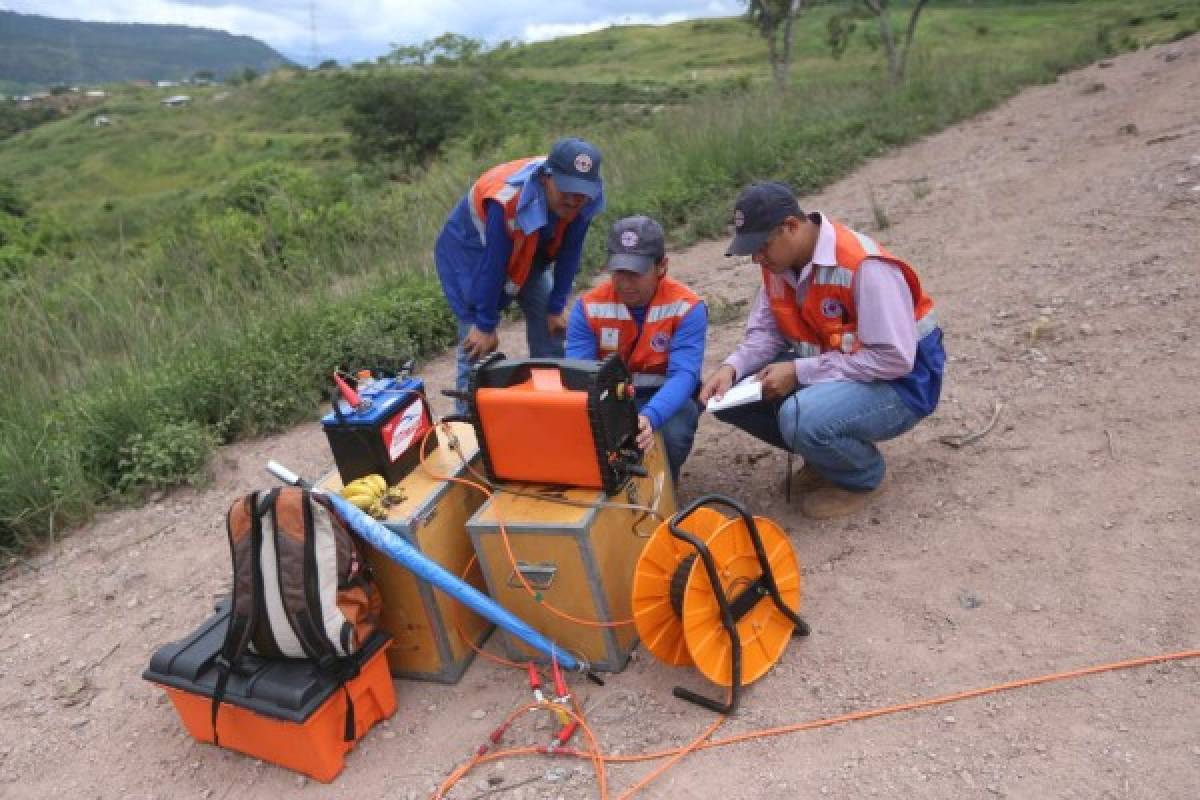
{"x":580,"y":559}
{"x":427,"y":626}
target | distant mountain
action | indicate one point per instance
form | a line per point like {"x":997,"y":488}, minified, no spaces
{"x":40,"y":52}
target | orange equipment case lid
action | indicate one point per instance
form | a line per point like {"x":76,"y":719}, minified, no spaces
{"x":556,"y":421}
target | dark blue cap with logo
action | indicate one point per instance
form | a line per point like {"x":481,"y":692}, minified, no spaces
{"x":575,"y":167}
{"x":760,"y":209}
{"x":636,"y":244}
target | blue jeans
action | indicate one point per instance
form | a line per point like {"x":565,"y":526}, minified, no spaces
{"x":678,"y":432}
{"x":532,"y":299}
{"x":833,"y":426}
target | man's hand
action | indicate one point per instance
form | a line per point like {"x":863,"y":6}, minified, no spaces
{"x":479,"y":343}
{"x":778,"y":380}
{"x":557,"y":323}
{"x":717,"y":384}
{"x":645,"y":434}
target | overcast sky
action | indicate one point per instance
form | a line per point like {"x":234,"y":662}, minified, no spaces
{"x":355,"y":30}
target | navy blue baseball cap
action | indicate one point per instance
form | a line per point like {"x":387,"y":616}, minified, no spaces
{"x":760,"y":209}
{"x":575,"y":167}
{"x":636,"y":244}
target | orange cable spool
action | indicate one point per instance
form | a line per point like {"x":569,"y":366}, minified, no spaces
{"x":718,"y":593}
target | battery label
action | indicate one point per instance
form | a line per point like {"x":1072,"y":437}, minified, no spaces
{"x":405,"y":429}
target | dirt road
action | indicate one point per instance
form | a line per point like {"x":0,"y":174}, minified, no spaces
{"x":1058,"y":235}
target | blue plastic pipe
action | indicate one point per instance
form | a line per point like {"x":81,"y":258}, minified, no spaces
{"x":399,"y":550}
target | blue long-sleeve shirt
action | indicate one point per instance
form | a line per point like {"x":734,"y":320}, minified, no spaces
{"x":487,"y":296}
{"x":685,"y":359}
{"x":472,"y":259}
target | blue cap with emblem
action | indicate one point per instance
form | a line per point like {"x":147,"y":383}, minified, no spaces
{"x":575,"y":167}
{"x":760,"y":209}
{"x":636,"y":244}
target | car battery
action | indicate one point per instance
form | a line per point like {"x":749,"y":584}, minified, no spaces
{"x":384,"y":434}
{"x":556,"y":421}
{"x":286,"y":711}
{"x":578,"y":558}
{"x":433,"y":635}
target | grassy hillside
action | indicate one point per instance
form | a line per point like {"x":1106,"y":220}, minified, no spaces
{"x":38,"y":52}
{"x":188,"y":276}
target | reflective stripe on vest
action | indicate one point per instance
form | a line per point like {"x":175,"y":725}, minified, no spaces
{"x":833,"y":276}
{"x":804,"y":349}
{"x":926,"y":324}
{"x":677,"y":309}
{"x":868,"y":244}
{"x":644,"y":348}
{"x":607,"y":311}
{"x":502,"y":196}
{"x":646,"y":380}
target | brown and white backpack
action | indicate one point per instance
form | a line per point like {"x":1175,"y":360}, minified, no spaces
{"x":301,"y":586}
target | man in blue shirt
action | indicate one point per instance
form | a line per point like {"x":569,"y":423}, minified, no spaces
{"x":656,"y":324}
{"x":518,"y":233}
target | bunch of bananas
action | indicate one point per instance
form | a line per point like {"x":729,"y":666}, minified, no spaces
{"x":372,"y":494}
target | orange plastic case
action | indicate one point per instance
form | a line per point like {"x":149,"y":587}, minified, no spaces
{"x":556,"y":421}
{"x":283,"y":711}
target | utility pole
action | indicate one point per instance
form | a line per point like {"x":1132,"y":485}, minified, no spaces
{"x":312,"y":29}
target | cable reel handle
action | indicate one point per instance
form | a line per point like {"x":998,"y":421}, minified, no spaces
{"x":710,"y":500}
{"x":768,"y":577}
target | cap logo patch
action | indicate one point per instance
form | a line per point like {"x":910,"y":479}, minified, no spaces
{"x":660,"y":341}
{"x":629,"y":239}
{"x":739,"y":219}
{"x":583,"y":163}
{"x":831,"y":308}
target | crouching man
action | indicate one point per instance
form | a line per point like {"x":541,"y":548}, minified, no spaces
{"x":656,"y":325}
{"x":844,"y":341}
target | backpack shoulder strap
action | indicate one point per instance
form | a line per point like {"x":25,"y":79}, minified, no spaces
{"x":243,"y":526}
{"x":307,"y":618}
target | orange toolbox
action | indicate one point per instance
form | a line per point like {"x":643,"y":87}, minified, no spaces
{"x":285,"y":711}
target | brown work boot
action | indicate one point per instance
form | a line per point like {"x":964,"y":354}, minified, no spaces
{"x":832,"y":502}
{"x":807,"y":479}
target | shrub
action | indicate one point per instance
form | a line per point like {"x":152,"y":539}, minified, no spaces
{"x":408,"y":116}
{"x":167,"y":455}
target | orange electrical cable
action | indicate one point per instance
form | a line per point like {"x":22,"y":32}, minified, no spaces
{"x":700,"y":744}
{"x":455,"y":617}
{"x":482,"y":756}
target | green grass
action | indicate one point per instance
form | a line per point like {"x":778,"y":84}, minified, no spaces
{"x":172,"y":312}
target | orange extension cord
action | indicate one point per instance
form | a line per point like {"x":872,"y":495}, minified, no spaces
{"x":701,"y":742}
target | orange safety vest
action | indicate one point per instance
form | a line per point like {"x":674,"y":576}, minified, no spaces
{"x":645,"y":353}
{"x":494,"y":185}
{"x":828,"y":318}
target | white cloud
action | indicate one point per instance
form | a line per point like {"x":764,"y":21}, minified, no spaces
{"x":363,"y":29}
{"x":541,"y":31}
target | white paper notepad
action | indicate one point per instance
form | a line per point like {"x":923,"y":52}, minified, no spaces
{"x":746,"y":391}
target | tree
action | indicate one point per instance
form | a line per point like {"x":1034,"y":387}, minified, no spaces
{"x":445,"y":50}
{"x":329,"y":63}
{"x":454,"y":48}
{"x":416,"y":54}
{"x":408,"y":116}
{"x":774,"y":20}
{"x":897,"y":56}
